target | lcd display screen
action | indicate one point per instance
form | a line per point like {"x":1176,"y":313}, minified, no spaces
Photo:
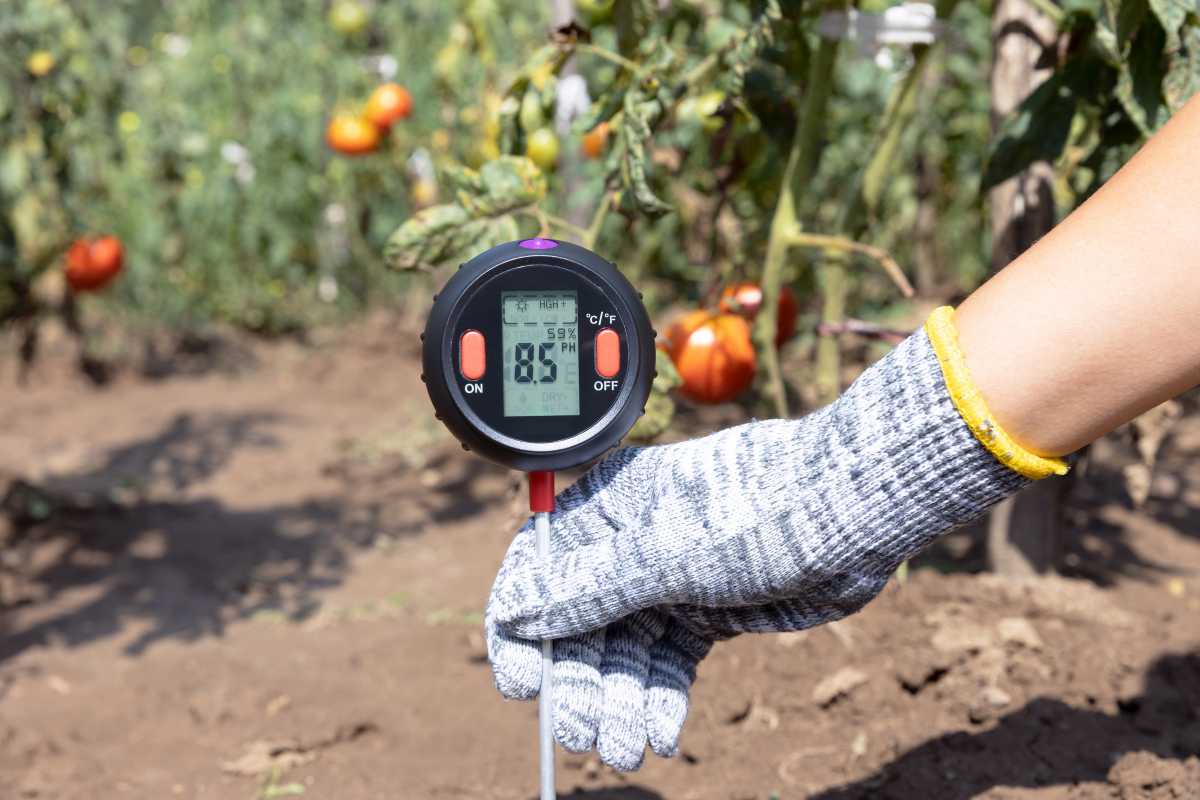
{"x":541,"y":353}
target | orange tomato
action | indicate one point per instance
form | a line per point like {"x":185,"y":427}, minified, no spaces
{"x":352,"y":135}
{"x":388,"y":103}
{"x":93,"y":264}
{"x":713,"y":354}
{"x":744,"y":299}
{"x":595,"y":141}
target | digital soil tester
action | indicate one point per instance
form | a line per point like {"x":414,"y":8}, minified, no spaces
{"x":539,"y":355}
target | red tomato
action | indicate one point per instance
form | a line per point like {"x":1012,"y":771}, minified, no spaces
{"x":713,"y":354}
{"x":92,"y":265}
{"x":744,"y":299}
{"x":387,"y":104}
{"x":351,"y":135}
{"x":107,"y":254}
{"x":77,"y":256}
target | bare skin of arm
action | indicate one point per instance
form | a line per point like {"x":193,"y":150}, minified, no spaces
{"x":1100,"y":320}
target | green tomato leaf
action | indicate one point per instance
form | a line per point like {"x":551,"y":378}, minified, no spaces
{"x":1127,"y":16}
{"x":1139,"y":85}
{"x":509,"y":182}
{"x":463,"y":179}
{"x":635,"y":132}
{"x":1038,"y":131}
{"x":660,"y":407}
{"x":425,"y":239}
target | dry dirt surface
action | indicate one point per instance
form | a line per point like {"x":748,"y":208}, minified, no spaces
{"x":266,"y":581}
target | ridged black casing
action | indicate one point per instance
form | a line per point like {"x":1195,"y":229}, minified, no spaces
{"x":603,"y":431}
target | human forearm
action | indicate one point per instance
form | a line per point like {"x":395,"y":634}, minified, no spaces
{"x":1098,"y":321}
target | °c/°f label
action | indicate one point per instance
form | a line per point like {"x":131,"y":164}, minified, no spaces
{"x":601,"y":318}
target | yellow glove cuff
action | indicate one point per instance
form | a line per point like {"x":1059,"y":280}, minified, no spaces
{"x":970,"y":403}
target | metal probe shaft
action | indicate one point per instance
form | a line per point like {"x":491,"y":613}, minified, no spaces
{"x":541,"y":525}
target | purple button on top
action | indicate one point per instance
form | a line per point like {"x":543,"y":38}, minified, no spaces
{"x":539,"y":244}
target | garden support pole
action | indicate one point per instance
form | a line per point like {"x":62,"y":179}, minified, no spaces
{"x":1023,"y":531}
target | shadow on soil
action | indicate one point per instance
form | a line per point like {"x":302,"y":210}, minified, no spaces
{"x":1048,"y":743}
{"x":126,"y":544}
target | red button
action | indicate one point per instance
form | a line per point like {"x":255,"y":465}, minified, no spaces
{"x":472,"y":357}
{"x":608,"y":353}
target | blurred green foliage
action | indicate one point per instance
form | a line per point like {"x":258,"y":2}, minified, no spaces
{"x":194,"y":130}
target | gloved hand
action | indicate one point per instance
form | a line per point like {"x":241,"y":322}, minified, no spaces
{"x":627,"y":685}
{"x":782,"y":524}
{"x":615,"y":689}
{"x":771,"y":526}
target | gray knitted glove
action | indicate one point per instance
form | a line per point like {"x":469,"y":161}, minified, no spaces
{"x":615,"y":689}
{"x":774,"y":525}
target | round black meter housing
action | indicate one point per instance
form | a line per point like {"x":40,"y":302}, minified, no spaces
{"x":538,"y":355}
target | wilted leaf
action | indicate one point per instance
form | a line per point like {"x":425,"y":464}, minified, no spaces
{"x":510,"y":182}
{"x":1171,"y":15}
{"x":1183,"y":75}
{"x":462,"y":179}
{"x":660,"y":407}
{"x":635,"y":133}
{"x":480,"y":234}
{"x":424,"y":239}
{"x":666,"y":377}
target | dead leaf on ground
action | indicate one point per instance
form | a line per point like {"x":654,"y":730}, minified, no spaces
{"x":1019,"y":631}
{"x":278,"y":704}
{"x":838,"y":685}
{"x":262,"y":756}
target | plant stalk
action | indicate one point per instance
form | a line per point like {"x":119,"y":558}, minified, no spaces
{"x":803,"y":158}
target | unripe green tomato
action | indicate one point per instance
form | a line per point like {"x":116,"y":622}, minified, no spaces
{"x":707,"y":106}
{"x":40,"y":62}
{"x":597,"y":12}
{"x":700,"y":110}
{"x":531,"y":115}
{"x":542,"y":148}
{"x":348,"y":17}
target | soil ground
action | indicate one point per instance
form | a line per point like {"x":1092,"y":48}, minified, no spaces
{"x":266,"y":581}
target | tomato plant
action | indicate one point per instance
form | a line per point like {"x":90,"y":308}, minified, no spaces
{"x":196,"y":133}
{"x":694,"y":144}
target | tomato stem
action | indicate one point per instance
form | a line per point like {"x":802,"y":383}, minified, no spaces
{"x":803,"y":159}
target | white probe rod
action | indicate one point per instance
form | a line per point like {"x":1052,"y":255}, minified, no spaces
{"x":541,"y":525}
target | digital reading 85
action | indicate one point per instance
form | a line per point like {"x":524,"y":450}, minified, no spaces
{"x":541,"y":353}
{"x":538,"y":354}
